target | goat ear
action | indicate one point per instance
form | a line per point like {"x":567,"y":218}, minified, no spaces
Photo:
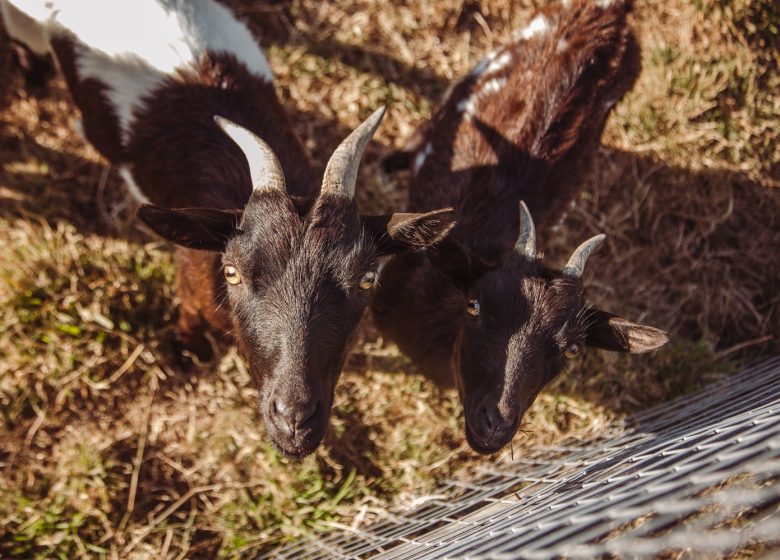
{"x":400,"y":232}
{"x":459,"y":264}
{"x":610,"y":332}
{"x":195,"y":228}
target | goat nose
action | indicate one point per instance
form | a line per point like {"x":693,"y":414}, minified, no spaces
{"x":494,"y":421}
{"x":291,"y":417}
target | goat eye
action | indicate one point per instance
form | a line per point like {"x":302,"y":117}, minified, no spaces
{"x":231,"y":275}
{"x":571,"y":351}
{"x":472,"y":307}
{"x":367,"y":280}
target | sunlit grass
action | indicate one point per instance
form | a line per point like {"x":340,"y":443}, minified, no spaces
{"x":108,"y":449}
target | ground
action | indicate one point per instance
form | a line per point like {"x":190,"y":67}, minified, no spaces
{"x":107,"y":449}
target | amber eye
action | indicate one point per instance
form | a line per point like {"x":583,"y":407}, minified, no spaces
{"x":367,"y":280}
{"x":231,"y":275}
{"x":472,"y":307}
{"x":571,"y":351}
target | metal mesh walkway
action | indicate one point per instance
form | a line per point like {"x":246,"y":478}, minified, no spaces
{"x":700,"y":473}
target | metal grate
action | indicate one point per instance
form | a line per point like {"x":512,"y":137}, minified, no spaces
{"x":700,"y":473}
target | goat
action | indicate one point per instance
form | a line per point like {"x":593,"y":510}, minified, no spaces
{"x":190,"y":116}
{"x":481,"y":309}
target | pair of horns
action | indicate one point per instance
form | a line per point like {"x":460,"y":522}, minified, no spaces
{"x":526,"y":245}
{"x":340,"y":173}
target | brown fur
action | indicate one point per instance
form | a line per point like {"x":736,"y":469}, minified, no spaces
{"x":530,"y":135}
{"x":210,"y":172}
{"x":288,"y":264}
{"x":101,"y":124}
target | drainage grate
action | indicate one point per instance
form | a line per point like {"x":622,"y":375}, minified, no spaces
{"x":700,"y":473}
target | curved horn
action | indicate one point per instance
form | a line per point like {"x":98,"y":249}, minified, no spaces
{"x":264,"y":167}
{"x":341,"y":172}
{"x":526,"y":241}
{"x":576,"y":264}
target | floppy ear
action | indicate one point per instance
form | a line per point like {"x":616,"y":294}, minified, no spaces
{"x":459,"y":264}
{"x":208,"y":229}
{"x":400,"y":232}
{"x":610,"y":332}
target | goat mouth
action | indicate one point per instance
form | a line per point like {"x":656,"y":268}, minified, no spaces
{"x":493,"y":444}
{"x":303,"y":444}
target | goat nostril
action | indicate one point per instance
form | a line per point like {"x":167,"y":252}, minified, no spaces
{"x":308,"y":412}
{"x":494,"y":421}
{"x":292,"y":417}
{"x":280,"y":408}
{"x":488,"y":418}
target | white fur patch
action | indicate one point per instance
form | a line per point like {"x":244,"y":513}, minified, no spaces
{"x":467,"y":106}
{"x":205,"y":24}
{"x":538,"y":26}
{"x":484,"y":64}
{"x":132,"y":45}
{"x":499,"y":63}
{"x":604,"y":4}
{"x":129,"y":79}
{"x":480,"y":67}
{"x":420,"y":158}
{"x":127,"y":177}
{"x":561,"y":46}
{"x":492,"y":86}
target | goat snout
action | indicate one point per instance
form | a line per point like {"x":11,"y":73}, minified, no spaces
{"x":293,"y":417}
{"x":489,"y":428}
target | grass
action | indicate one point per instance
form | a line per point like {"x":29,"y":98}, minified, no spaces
{"x":108,"y":450}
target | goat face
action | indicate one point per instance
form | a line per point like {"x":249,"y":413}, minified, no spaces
{"x":299,"y":276}
{"x":521,"y":323}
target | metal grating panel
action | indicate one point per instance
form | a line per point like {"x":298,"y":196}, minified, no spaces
{"x":699,"y":473}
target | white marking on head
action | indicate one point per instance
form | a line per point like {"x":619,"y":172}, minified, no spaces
{"x":538,"y":25}
{"x":561,"y":46}
{"x":566,"y":3}
{"x":127,"y":177}
{"x":421,"y":156}
{"x":604,"y":4}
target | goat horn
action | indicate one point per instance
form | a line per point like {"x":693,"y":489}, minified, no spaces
{"x":341,"y":172}
{"x":526,"y":241}
{"x":264,"y":167}
{"x":576,"y":265}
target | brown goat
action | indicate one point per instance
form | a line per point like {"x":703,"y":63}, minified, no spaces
{"x":481,"y":309}
{"x":191,"y":117}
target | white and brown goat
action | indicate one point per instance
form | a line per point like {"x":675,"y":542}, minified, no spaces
{"x":481,"y":309}
{"x":179,"y":96}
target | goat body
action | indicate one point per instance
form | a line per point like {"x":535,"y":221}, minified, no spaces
{"x":481,"y":310}
{"x":179,"y":96}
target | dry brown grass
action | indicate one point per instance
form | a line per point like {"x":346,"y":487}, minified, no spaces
{"x":107,"y":450}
